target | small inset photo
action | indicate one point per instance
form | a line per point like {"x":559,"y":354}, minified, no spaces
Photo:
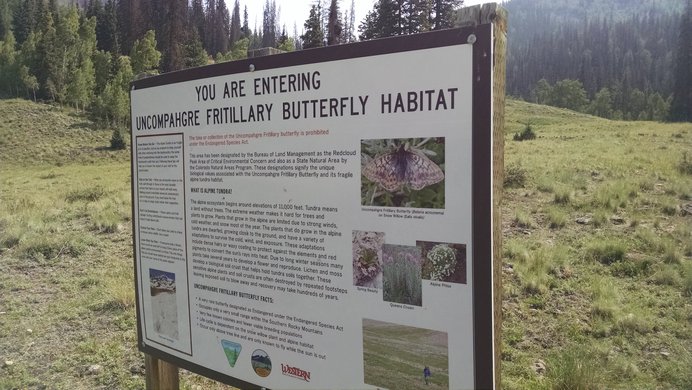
{"x":401,"y":272}
{"x":443,"y":261}
{"x":403,"y":172}
{"x":367,"y":258}
{"x":164,"y":305}
{"x":261,"y":363}
{"x":404,"y":357}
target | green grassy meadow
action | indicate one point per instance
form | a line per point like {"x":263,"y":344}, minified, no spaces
{"x":597,"y":249}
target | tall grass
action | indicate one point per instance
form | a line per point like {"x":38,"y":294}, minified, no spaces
{"x":605,"y":251}
{"x":109,"y":213}
{"x":538,"y":267}
{"x":575,"y":369}
{"x":614,"y":195}
{"x":604,"y":304}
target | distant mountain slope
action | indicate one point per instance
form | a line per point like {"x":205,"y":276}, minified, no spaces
{"x":603,"y":43}
{"x":577,"y":10}
{"x":33,"y":133}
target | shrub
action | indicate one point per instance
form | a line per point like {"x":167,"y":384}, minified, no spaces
{"x":526,"y":134}
{"x":515,"y":177}
{"x":117,"y":140}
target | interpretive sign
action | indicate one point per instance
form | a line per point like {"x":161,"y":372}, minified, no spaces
{"x":320,"y":219}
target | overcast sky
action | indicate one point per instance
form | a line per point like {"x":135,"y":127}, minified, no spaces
{"x":298,"y":10}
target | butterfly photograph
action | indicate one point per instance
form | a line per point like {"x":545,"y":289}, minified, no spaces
{"x":403,"y":172}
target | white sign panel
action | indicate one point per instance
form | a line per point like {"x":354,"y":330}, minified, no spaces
{"x":311,"y":226}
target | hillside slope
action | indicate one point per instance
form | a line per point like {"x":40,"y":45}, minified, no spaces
{"x":34,"y":133}
{"x":598,"y":252}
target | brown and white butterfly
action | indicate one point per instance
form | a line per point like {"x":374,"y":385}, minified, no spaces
{"x":404,"y":166}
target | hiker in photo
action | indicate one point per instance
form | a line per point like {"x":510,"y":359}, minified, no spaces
{"x":426,"y":374}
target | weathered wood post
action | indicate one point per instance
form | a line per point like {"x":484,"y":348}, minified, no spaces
{"x":160,"y":375}
{"x":472,"y":16}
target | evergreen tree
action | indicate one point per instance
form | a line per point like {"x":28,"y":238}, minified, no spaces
{"x":110,"y":40}
{"x":255,"y":40}
{"x":236,"y":28}
{"x":384,"y":20}
{"x":246,"y":26}
{"x":5,"y":19}
{"x":313,"y":35}
{"x":194,"y":53}
{"x":53,"y":9}
{"x":209,"y":37}
{"x":296,"y":38}
{"x":144,"y":57}
{"x":197,"y":19}
{"x":172,"y":34}
{"x":223,"y":27}
{"x":349,"y":24}
{"x":285,"y":43}
{"x":25,"y":20}
{"x":134,"y":19}
{"x":681,"y":106}
{"x":95,"y":9}
{"x":9,"y":66}
{"x":334,"y":25}
{"x":269,"y":25}
{"x":102,"y":70}
{"x":417,"y":16}
{"x":445,"y":13}
{"x":48,"y":56}
{"x":113,"y":105}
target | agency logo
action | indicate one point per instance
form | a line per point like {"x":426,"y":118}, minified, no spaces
{"x":295,"y":372}
{"x":261,"y":363}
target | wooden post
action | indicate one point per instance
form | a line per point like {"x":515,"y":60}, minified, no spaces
{"x":472,"y":16}
{"x":160,"y":375}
